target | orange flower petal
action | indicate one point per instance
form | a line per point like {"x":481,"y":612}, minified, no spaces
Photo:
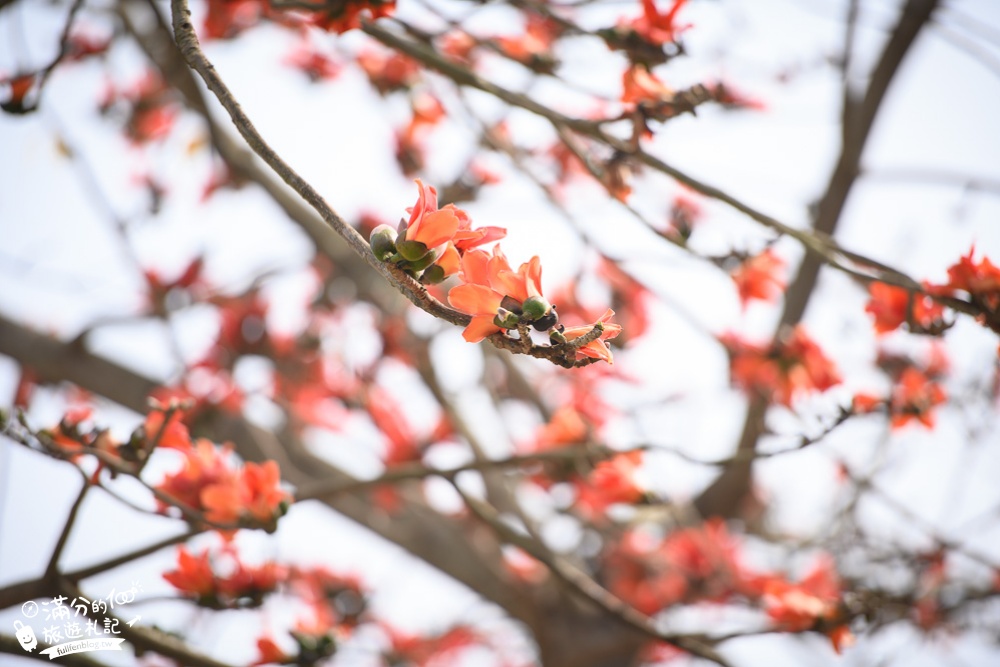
{"x":475,"y":267}
{"x":475,"y":299}
{"x":479,"y":328}
{"x":449,"y":260}
{"x":434,"y":228}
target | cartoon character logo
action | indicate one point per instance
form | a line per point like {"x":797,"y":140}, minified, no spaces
{"x":25,"y":636}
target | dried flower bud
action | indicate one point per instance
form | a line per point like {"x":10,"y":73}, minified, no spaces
{"x":506,"y":319}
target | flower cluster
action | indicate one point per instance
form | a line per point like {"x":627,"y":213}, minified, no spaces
{"x":245,"y":586}
{"x":643,"y":38}
{"x":436,"y":243}
{"x":759,"y":277}
{"x":781,"y":372}
{"x":981,"y":281}
{"x":148,"y":108}
{"x":891,"y":307}
{"x":701,"y":564}
{"x":208,"y":483}
{"x":225,"y":19}
{"x":916,"y":389}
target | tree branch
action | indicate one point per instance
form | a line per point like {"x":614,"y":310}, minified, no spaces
{"x":724,"y":495}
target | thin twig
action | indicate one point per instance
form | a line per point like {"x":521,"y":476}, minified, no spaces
{"x":53,"y":565}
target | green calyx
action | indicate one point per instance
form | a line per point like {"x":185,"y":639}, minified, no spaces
{"x":411,"y":251}
{"x":421,"y":262}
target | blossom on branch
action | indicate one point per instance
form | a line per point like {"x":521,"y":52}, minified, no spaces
{"x":793,"y":365}
{"x":344,"y":15}
{"x":245,"y":585}
{"x":312,"y":62}
{"x":533,"y":48}
{"x":812,"y":604}
{"x":207,"y":483}
{"x":659,"y":28}
{"x":758,"y":277}
{"x":497,"y":296}
{"x":640,"y":87}
{"x":892,"y":306}
{"x":981,"y":280}
{"x":597,"y":348}
{"x":388,"y":71}
{"x":611,"y":482}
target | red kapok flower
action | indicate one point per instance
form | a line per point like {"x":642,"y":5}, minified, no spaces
{"x":975,"y":278}
{"x":597,"y":348}
{"x":169,"y":434}
{"x":640,"y":86}
{"x":388,"y":71}
{"x":488,"y":279}
{"x":482,"y":303}
{"x":271,"y":654}
{"x":346,"y":15}
{"x":428,"y":224}
{"x":612,"y":481}
{"x":566,"y":427}
{"x":892,"y":306}
{"x":982,"y":281}
{"x":204,"y":466}
{"x":813,"y":603}
{"x":312,"y":62}
{"x":657,"y":28}
{"x":533,"y":48}
{"x":914,"y":397}
{"x":254,"y":492}
{"x":757,"y":277}
{"x":783,"y":371}
{"x":194,"y":575}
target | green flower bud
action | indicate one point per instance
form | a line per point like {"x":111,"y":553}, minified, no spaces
{"x":535,"y":308}
{"x":382,"y":241}
{"x":556,"y":337}
{"x":506,"y":319}
{"x":433,"y":275}
{"x":411,"y":250}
